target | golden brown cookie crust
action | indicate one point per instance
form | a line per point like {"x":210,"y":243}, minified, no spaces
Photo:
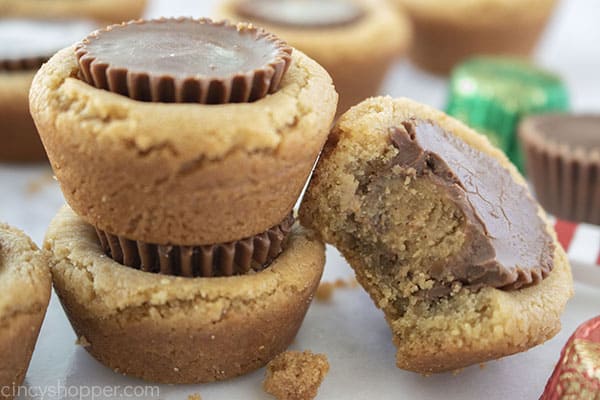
{"x":470,"y":327}
{"x":162,"y":173}
{"x":357,"y":55}
{"x":180,"y":330}
{"x":18,"y":135}
{"x":24,"y":295}
{"x":107,"y":11}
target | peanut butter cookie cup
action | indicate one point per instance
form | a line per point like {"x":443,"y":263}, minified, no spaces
{"x":25,"y":286}
{"x":442,"y":232}
{"x":186,"y":158}
{"x":180,"y":330}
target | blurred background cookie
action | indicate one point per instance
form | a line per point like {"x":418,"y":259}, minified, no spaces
{"x":447,"y":32}
{"x":31,"y":32}
{"x":356,"y":41}
{"x":25,"y":46}
{"x":102,"y":11}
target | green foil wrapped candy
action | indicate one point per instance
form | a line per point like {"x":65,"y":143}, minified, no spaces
{"x":492,"y":94}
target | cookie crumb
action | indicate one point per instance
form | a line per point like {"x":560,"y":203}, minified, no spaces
{"x":351,"y":283}
{"x":82,"y":341}
{"x":295,"y":375}
{"x":195,"y":396}
{"x":37,"y":184}
{"x":325,"y":291}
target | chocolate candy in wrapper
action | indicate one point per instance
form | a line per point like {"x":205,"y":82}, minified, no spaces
{"x":577,"y":374}
{"x":492,"y":94}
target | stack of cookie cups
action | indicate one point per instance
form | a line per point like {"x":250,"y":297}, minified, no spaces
{"x":25,"y":286}
{"x":181,"y":147}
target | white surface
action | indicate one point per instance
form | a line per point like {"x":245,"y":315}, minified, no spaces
{"x":350,"y":330}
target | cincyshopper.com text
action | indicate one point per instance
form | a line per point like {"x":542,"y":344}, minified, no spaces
{"x":82,"y":392}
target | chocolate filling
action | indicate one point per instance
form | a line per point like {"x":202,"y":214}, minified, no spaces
{"x":235,"y":258}
{"x":506,"y":243}
{"x":184,"y":60}
{"x":302,"y":13}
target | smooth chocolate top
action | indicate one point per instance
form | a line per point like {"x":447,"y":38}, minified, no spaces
{"x":182,"y":49}
{"x":302,"y":13}
{"x":506,"y":245}
{"x":581,"y":131}
{"x":184,"y":60}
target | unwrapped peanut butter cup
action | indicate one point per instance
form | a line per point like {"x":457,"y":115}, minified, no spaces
{"x":234,"y":258}
{"x":184,"y":60}
{"x":563,"y":161}
{"x":309,"y":14}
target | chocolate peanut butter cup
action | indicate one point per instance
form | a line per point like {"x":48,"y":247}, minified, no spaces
{"x":185,"y":61}
{"x":226,"y":259}
{"x":563,"y":161}
{"x":302,"y":13}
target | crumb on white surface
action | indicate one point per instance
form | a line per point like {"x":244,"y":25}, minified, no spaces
{"x":326,"y":289}
{"x":82,"y":341}
{"x":296,"y":375}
